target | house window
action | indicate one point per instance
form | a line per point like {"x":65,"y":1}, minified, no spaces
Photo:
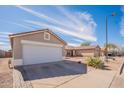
{"x":46,"y":36}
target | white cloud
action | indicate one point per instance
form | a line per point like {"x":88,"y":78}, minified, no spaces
{"x":5,"y":39}
{"x":3,"y":43}
{"x":70,"y":16}
{"x":122,"y":22}
{"x":64,"y":31}
{"x":5,"y":33}
{"x":21,"y":25}
{"x":5,"y":47}
{"x":73,"y":44}
{"x":122,"y":26}
{"x":41,"y":15}
{"x":78,"y":40}
{"x":79,"y":25}
{"x":4,"y":36}
{"x":88,"y":22}
{"x":122,"y":9}
{"x":83,"y":21}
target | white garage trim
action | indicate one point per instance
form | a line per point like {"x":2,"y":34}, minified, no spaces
{"x":40,"y":52}
{"x":17,"y":62}
{"x":40,"y":43}
{"x":36,"y":54}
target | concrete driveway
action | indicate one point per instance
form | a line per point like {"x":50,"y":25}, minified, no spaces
{"x":67,"y":74}
{"x":51,"y":74}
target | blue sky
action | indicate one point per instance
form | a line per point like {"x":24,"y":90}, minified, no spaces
{"x":74,"y":24}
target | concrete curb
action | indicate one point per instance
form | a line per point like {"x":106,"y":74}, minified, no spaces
{"x":119,"y":72}
{"x":120,"y":69}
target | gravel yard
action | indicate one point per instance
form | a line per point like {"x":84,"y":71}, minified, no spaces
{"x":6,"y":79}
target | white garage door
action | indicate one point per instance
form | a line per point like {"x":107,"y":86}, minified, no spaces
{"x":34,"y":54}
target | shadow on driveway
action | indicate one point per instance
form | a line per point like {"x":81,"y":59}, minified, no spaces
{"x":49,"y":70}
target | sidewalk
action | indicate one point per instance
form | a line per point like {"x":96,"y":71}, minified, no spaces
{"x":95,"y":78}
{"x":118,"y":82}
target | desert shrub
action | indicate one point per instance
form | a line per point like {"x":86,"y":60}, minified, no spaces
{"x":95,"y":62}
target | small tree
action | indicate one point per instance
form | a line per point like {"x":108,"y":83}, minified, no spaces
{"x":121,"y":51}
{"x":111,"y":46}
{"x":86,"y":44}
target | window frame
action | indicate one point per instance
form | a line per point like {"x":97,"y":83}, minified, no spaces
{"x":45,"y":37}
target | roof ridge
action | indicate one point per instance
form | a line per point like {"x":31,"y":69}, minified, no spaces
{"x":27,"y":32}
{"x":36,"y":31}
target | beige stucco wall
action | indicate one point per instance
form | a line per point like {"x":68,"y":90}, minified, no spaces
{"x":86,"y":52}
{"x":39,"y":37}
{"x":97,"y":52}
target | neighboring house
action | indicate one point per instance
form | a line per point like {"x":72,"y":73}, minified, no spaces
{"x":103,"y":51}
{"x":2,"y":53}
{"x":36,"y":47}
{"x":84,"y":51}
{"x":8,"y":53}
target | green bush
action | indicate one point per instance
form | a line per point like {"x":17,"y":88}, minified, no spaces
{"x":95,"y":62}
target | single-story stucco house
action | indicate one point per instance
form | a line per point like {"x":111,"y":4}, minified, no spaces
{"x":103,"y":51}
{"x":8,"y":53}
{"x":36,"y":47}
{"x":84,"y":51}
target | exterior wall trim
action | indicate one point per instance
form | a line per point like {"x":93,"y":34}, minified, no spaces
{"x":40,"y":43}
{"x":46,"y":33}
{"x":17,"y":62}
{"x":11,"y":36}
{"x":35,"y":32}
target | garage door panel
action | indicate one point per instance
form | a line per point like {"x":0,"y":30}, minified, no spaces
{"x":34,"y":54}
